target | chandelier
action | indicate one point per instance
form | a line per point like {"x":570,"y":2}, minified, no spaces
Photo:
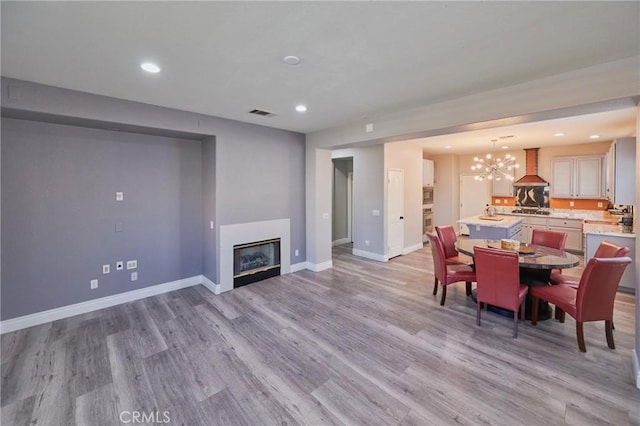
{"x":492,"y":167}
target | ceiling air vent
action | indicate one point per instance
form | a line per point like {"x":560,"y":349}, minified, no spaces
{"x":262,"y":113}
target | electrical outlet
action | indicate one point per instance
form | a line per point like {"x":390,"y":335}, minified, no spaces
{"x":119,"y":265}
{"x":94,"y":284}
{"x":497,"y":200}
{"x":600,"y":204}
{"x":297,"y":252}
{"x":106,"y":269}
{"x":375,"y":212}
{"x":132,"y":264}
{"x":119,"y":196}
{"x":571,"y":203}
{"x":134,"y":276}
{"x":366,"y":242}
{"x":504,"y":201}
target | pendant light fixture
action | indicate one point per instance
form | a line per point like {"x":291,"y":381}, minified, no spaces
{"x":493,"y":167}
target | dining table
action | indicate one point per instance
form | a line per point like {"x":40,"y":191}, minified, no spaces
{"x":536,"y":263}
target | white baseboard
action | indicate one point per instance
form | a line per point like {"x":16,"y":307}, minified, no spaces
{"x":636,"y":367}
{"x":369,"y":255}
{"x":298,"y":267}
{"x":43,"y":317}
{"x":317,"y":267}
{"x":340,"y":241}
{"x":210,"y":285}
{"x":412,"y":248}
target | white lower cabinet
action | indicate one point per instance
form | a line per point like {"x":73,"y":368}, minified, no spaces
{"x":572,"y":227}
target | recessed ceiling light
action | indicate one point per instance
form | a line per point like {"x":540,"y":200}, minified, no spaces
{"x":448,"y":147}
{"x":594,"y":136}
{"x":505,"y":147}
{"x":150,"y":67}
{"x":301,"y":108}
{"x":559,"y":134}
{"x":291,"y":60}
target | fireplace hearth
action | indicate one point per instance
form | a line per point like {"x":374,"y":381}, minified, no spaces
{"x":256,"y":261}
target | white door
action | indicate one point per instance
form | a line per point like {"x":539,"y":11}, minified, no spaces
{"x":474,"y":197}
{"x":395,"y":218}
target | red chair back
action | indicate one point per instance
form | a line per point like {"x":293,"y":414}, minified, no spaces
{"x":447,"y":236}
{"x":498,"y":277}
{"x":597,"y":289}
{"x":607,"y":249}
{"x":553,"y":239}
{"x":439,"y":262}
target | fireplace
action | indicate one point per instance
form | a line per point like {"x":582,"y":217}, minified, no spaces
{"x":255,"y":261}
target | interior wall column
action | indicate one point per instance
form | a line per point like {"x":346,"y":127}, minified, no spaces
{"x":319,"y":169}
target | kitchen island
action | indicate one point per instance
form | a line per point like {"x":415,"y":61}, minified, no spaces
{"x":493,"y":228}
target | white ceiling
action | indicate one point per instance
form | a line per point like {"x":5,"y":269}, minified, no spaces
{"x":358,"y":59}
{"x":608,"y":125}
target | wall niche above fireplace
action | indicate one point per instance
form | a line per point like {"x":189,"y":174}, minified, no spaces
{"x":255,"y":261}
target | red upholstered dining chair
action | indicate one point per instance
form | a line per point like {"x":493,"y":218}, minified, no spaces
{"x":447,"y":274}
{"x":498,"y":282}
{"x":593,"y":300}
{"x":553,"y":239}
{"x":604,"y":250}
{"x":448,"y":238}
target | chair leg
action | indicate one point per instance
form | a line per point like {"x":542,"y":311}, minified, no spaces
{"x":534,"y":310}
{"x":522,"y":310}
{"x":608,"y":328}
{"x":435,"y":286}
{"x":559,"y":315}
{"x":515,"y":324}
{"x":478,"y":309}
{"x":580,"y":335}
{"x":444,"y":295}
{"x":468,"y":283}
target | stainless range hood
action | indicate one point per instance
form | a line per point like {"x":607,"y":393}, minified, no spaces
{"x":531,"y":177}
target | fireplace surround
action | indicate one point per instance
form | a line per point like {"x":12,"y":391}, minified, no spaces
{"x":242,"y":233}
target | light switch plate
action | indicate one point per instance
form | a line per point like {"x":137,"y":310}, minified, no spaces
{"x":134,"y":276}
{"x":106,"y":269}
{"x":132,"y":264}
{"x":119,"y":196}
{"x":94,"y":284}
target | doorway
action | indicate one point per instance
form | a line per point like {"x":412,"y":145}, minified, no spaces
{"x":395,"y":221}
{"x":342,"y":206}
{"x":474,"y":196}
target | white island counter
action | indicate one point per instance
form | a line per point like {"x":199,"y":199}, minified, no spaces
{"x":496,"y":228}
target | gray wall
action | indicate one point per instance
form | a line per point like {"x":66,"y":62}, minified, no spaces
{"x":342,"y":167}
{"x":368,"y":195}
{"x":258,"y":174}
{"x":59,"y":212}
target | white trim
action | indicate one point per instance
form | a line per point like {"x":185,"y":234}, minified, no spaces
{"x":636,"y":367}
{"x":296,"y":267}
{"x":43,"y":317}
{"x":210,"y":285}
{"x":340,"y":241}
{"x":369,"y":255}
{"x":412,"y":248}
{"x":317,"y":267}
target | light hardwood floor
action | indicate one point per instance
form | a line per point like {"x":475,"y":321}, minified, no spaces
{"x":362,"y":343}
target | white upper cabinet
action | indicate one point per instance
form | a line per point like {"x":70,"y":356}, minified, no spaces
{"x":621,"y":183}
{"x":427,"y":172}
{"x":578,"y":177}
{"x":502,"y":187}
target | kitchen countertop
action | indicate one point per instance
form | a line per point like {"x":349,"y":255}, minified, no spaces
{"x":507,"y":222}
{"x":613,"y":230}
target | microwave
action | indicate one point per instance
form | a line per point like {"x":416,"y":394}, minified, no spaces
{"x":427,"y":195}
